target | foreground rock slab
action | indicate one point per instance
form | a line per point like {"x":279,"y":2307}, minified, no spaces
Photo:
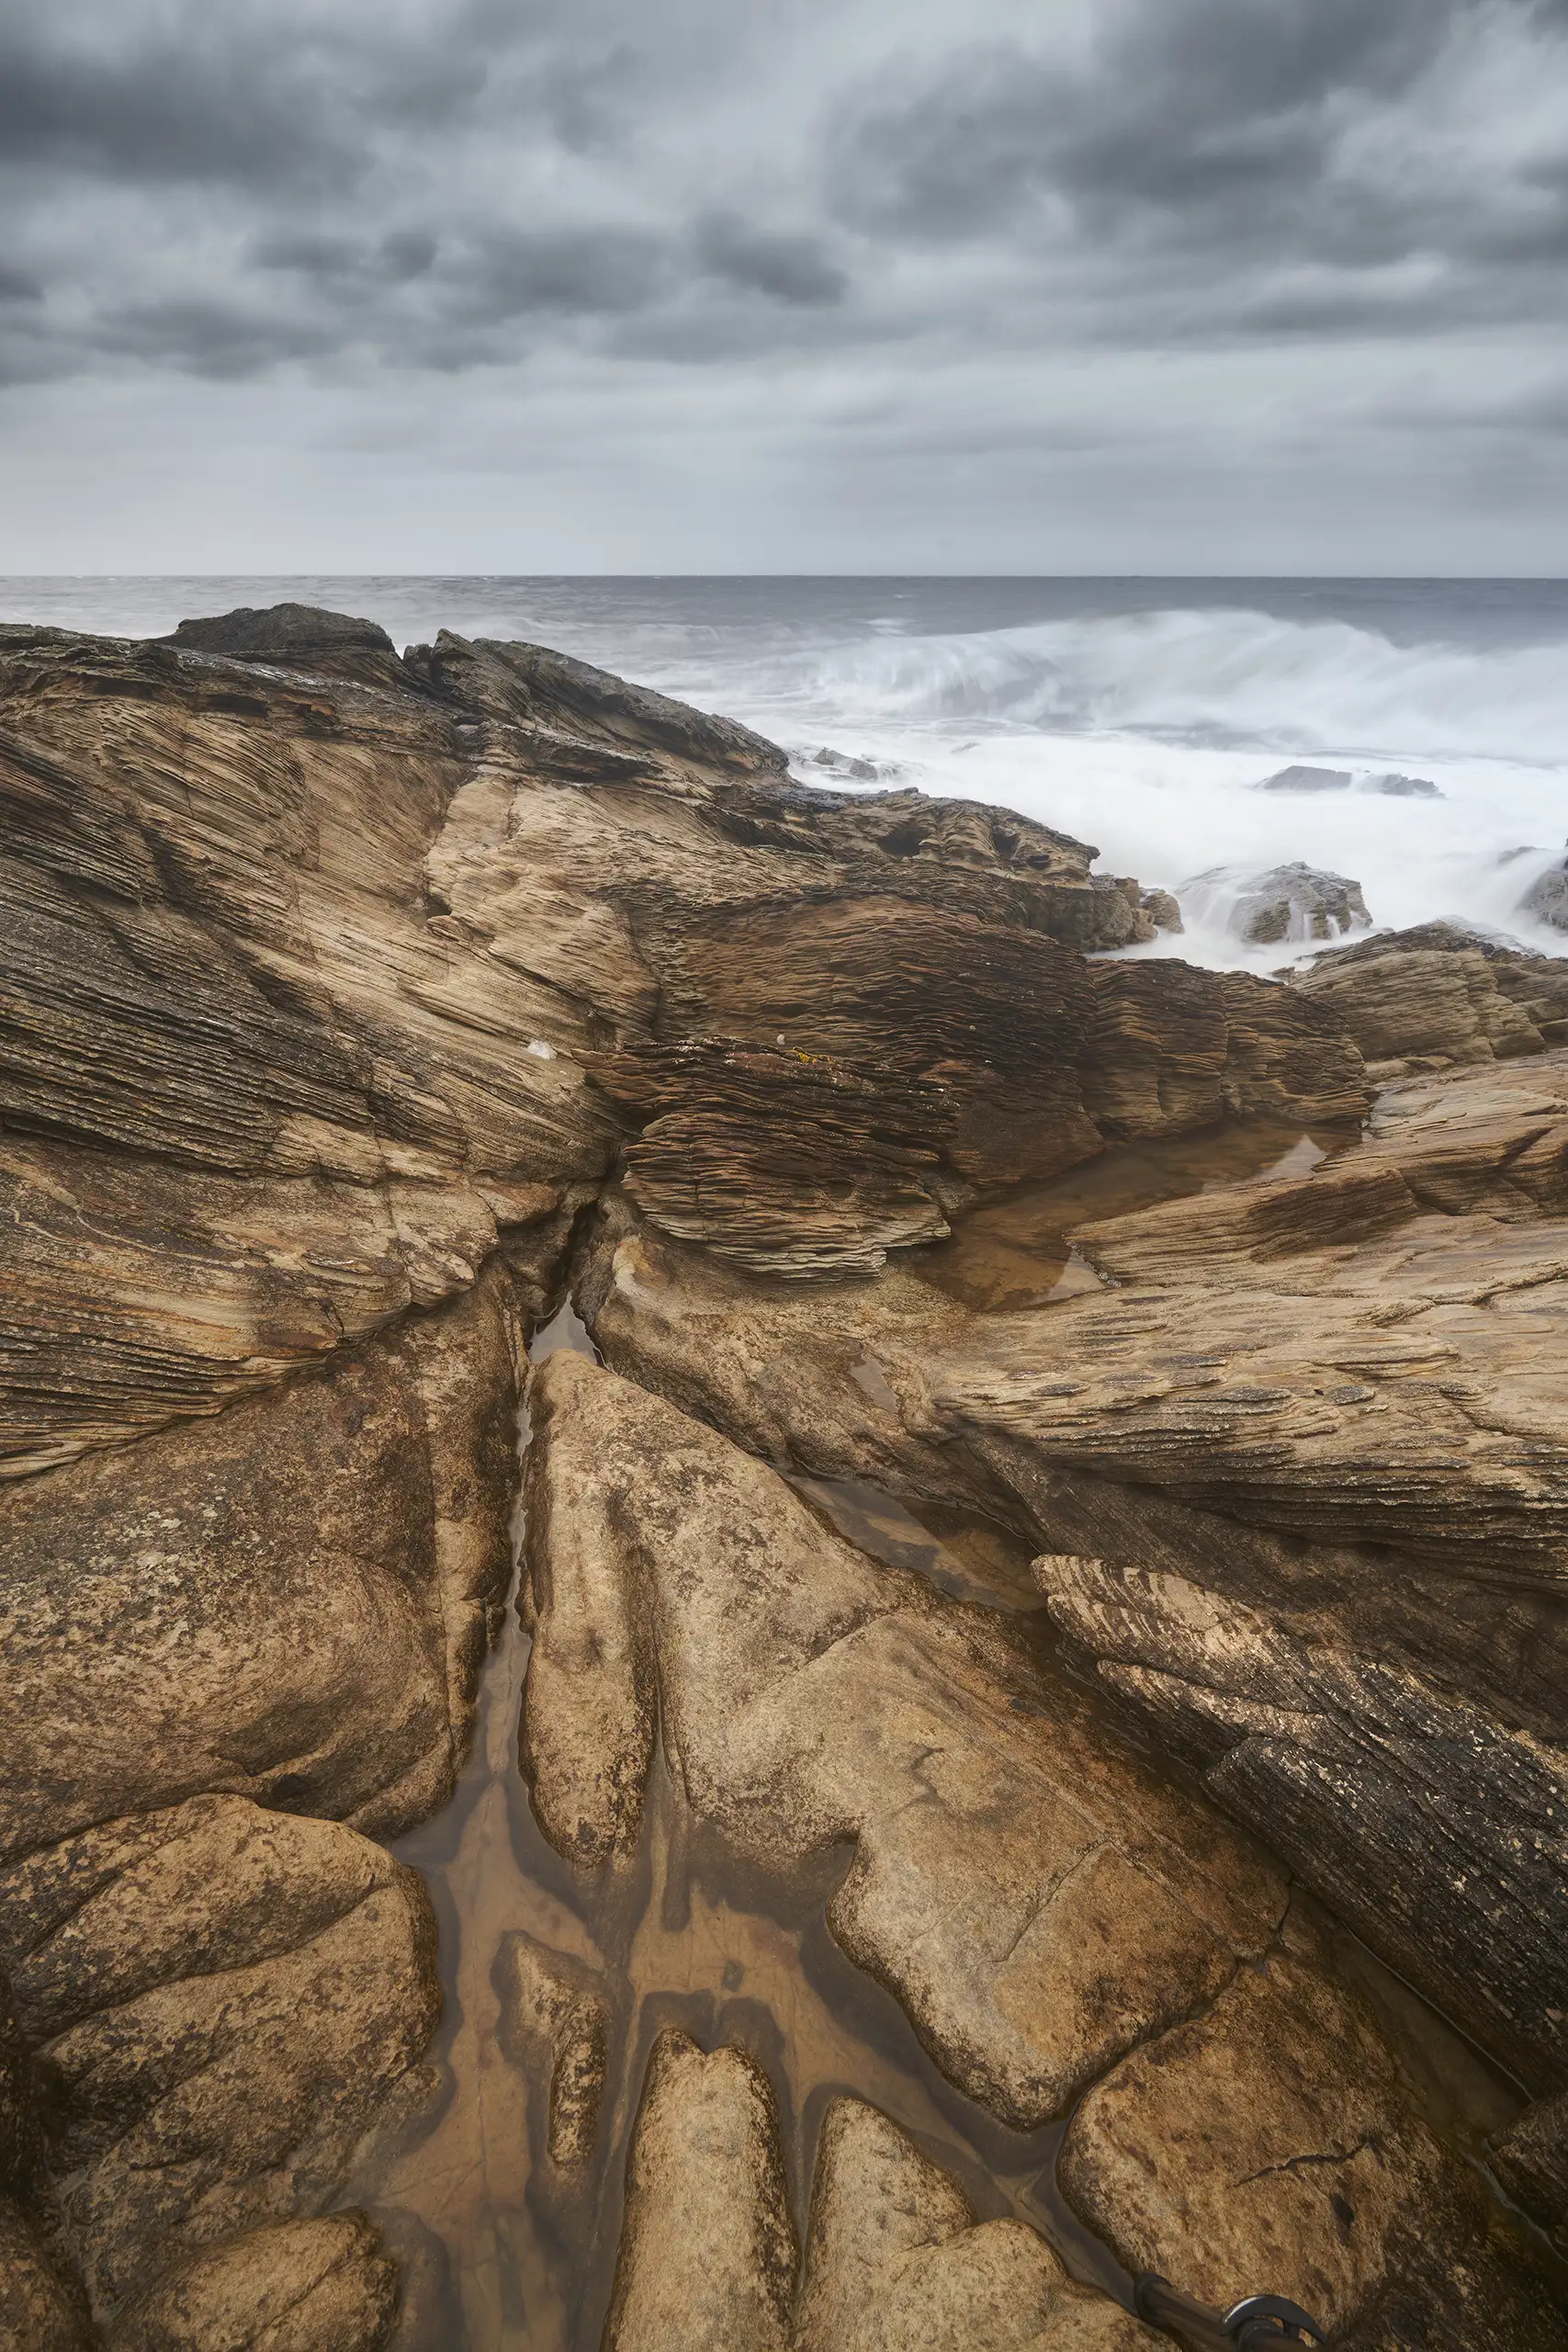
{"x":225,"y":1999}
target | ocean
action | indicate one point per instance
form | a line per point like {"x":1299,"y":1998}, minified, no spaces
{"x":1140,"y":715}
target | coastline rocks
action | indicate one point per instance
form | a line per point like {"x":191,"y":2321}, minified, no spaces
{"x":707,"y":2252}
{"x":225,"y":2000}
{"x":1289,"y":902}
{"x":1162,"y":909}
{"x":1437,"y":996}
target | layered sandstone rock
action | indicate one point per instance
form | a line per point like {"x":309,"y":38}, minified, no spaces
{"x":334,"y":985}
{"x":1438,"y":995}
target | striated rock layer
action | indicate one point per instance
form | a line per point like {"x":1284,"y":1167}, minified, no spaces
{"x":353,"y":1004}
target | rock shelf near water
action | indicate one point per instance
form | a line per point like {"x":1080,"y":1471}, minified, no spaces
{"x":842,"y":1947}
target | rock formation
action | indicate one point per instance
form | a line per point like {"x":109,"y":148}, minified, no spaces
{"x":1289,"y":902}
{"x":356,"y":1005}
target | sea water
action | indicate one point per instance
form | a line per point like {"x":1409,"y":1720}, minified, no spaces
{"x":1139,"y":715}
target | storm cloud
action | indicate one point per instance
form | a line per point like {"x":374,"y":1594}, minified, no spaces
{"x":1019,"y":255}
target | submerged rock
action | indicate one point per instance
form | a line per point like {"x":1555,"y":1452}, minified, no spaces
{"x":1402,"y":787}
{"x":1546,"y":901}
{"x":1302,"y":778}
{"x":555,"y":2024}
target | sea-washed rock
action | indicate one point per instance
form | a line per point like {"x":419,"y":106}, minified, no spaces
{"x":1546,"y":901}
{"x":1163,"y":909}
{"x":1289,"y":902}
{"x":554,"y":2025}
{"x":1401,"y":788}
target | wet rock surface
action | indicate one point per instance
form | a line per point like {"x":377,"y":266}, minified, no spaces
{"x":1294,"y":901}
{"x":837,"y":1886}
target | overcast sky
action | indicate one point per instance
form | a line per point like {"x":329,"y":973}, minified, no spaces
{"x":783,"y":285}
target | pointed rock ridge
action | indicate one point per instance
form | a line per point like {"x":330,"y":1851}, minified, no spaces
{"x":298,"y":637}
{"x":897,"y":2262}
{"x":537,"y":687}
{"x":289,"y":2287}
{"x":707,"y":2251}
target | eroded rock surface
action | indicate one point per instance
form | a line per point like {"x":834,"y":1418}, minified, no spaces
{"x":897,"y":2262}
{"x":555,"y":2024}
{"x":290,"y":2287}
{"x":225,"y":1999}
{"x":1438,"y":995}
{"x":707,"y":2252}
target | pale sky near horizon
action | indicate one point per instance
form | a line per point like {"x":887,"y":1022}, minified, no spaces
{"x":1166,"y":286}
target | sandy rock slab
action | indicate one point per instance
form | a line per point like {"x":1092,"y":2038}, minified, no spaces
{"x":894,"y":2260}
{"x":223,"y":2001}
{"x":293,"y":2287}
{"x":1037,"y":1901}
{"x":555,"y":2023}
{"x":291,"y":1602}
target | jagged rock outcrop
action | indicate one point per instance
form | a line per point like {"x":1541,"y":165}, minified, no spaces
{"x":1546,"y":901}
{"x":1301,"y":777}
{"x":335,"y":984}
{"x":1439,"y":995}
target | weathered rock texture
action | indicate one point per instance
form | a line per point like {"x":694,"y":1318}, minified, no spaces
{"x":1312,"y":1427}
{"x":555,"y":2024}
{"x":894,"y":2260}
{"x":1438,"y":995}
{"x":224,"y":2000}
{"x":1055,"y":1921}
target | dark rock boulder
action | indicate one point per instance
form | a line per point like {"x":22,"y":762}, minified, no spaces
{"x":1301,"y":778}
{"x":298,"y":636}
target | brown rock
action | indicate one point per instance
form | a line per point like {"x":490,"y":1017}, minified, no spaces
{"x":290,"y":2287}
{"x":1035,"y":1901}
{"x":1438,"y":995}
{"x":555,"y":2021}
{"x":226,"y":2000}
{"x":895,"y":2261}
{"x":291,"y":1601}
{"x":707,"y":2253}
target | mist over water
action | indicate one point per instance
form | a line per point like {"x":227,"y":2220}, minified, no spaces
{"x":1138,"y":715}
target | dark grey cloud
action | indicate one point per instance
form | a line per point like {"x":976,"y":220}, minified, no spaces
{"x":966,"y":222}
